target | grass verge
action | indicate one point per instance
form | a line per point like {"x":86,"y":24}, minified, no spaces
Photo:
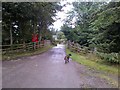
{"x":27,"y":53}
{"x":95,"y":65}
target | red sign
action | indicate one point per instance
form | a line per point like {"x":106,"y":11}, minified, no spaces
{"x":35,"y":38}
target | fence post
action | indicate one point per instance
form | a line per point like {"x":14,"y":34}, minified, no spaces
{"x":38,"y":44}
{"x":95,"y":50}
{"x":24,"y":46}
{"x":33,"y":45}
{"x":10,"y":47}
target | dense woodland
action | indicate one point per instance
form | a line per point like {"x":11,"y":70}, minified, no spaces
{"x":23,"y":19}
{"x":97,"y":26}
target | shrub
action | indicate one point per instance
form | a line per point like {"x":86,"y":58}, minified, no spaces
{"x":111,"y":57}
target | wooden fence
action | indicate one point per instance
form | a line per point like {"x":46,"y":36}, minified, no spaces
{"x":109,"y":57}
{"x":8,"y":49}
{"x":77,"y":48}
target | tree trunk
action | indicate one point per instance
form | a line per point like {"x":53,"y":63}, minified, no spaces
{"x":11,"y":39}
{"x":40,"y":29}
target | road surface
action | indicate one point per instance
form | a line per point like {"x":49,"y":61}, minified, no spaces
{"x":48,"y":70}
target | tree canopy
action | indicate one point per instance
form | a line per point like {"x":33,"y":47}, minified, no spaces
{"x":22,"y":19}
{"x":97,"y":25}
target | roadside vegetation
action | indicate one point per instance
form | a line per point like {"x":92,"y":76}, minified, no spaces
{"x":26,"y":53}
{"x":97,"y":31}
{"x":105,"y":71}
{"x":93,"y":62}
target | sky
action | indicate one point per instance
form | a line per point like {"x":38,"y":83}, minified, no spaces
{"x":62,"y":14}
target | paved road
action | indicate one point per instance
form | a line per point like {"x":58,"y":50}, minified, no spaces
{"x":48,"y":70}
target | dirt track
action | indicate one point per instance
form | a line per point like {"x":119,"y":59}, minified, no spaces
{"x":48,"y":70}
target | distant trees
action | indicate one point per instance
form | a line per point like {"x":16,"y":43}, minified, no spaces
{"x":60,"y":35}
{"x":21,"y":20}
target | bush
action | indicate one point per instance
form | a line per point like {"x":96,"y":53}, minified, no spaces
{"x":111,"y":57}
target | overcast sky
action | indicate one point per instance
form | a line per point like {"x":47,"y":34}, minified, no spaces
{"x":63,"y":14}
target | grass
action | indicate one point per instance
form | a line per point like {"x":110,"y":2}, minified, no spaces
{"x":84,"y":60}
{"x":92,"y":64}
{"x":27,"y":53}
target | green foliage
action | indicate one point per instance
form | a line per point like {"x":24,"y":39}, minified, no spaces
{"x":106,"y":27}
{"x":60,"y":35}
{"x":106,"y":18}
{"x":83,"y":11}
{"x":92,"y":64}
{"x":111,"y":57}
{"x":29,"y":17}
{"x":97,"y":26}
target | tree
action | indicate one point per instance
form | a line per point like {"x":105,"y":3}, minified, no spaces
{"x":106,"y":27}
{"x":83,"y":12}
{"x":60,"y":35}
{"x":29,"y":17}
